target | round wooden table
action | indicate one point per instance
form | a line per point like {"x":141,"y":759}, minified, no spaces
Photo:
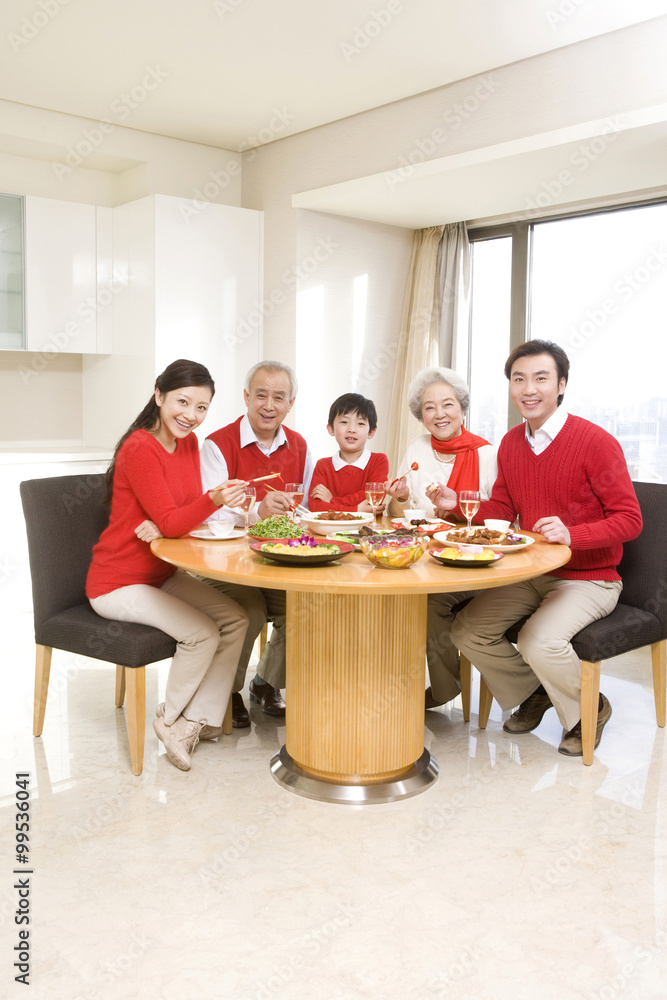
{"x":356,"y":655}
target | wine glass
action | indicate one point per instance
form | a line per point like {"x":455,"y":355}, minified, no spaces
{"x":469,"y":501}
{"x":296,"y":492}
{"x":249,"y":497}
{"x":375,"y":494}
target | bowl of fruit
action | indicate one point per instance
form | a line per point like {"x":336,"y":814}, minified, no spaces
{"x":393,"y":551}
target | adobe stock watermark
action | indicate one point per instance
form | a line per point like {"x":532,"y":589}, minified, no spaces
{"x":31,"y":26}
{"x":454,"y":117}
{"x":306,"y":268}
{"x":224,"y":7}
{"x":59,"y":341}
{"x":364,"y":34}
{"x":556,"y":15}
{"x":447,"y":982}
{"x":122,"y":107}
{"x":218,"y":180}
{"x":624,"y":289}
{"x":580,"y":159}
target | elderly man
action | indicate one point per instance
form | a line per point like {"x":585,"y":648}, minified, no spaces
{"x":566,"y":478}
{"x":255,"y":445}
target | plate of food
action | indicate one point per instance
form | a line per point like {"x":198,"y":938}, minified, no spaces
{"x":424,"y":525}
{"x":304,"y":551}
{"x":353,"y":536}
{"x":327,"y":521}
{"x":497,"y":541}
{"x":456,"y":557}
{"x":280,"y":526}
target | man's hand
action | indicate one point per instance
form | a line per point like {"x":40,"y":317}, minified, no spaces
{"x":147,"y":531}
{"x":322,"y":493}
{"x":229,"y":493}
{"x":442,"y":498}
{"x":274,"y":504}
{"x":553,"y":530}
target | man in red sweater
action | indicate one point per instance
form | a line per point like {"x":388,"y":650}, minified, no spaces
{"x":255,"y":445}
{"x":566,"y":478}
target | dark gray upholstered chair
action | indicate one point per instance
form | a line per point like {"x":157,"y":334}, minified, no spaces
{"x":639,"y":619}
{"x":64,"y":517}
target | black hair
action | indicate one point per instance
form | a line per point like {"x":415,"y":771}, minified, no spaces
{"x":353,"y":402}
{"x":533,"y":347}
{"x":178,"y":375}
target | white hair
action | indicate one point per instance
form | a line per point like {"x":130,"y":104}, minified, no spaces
{"x":273,"y":366}
{"x":426,"y":377}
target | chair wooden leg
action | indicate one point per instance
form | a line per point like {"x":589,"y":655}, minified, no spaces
{"x":136,"y":715}
{"x":485,"y":703}
{"x":465,"y":669}
{"x":42,"y":674}
{"x":263,"y":639}
{"x":590,"y":694}
{"x":659,"y":661}
{"x":120,"y":685}
{"x":227,"y":721}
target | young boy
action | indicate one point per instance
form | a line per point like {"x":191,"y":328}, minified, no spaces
{"x":339,"y":483}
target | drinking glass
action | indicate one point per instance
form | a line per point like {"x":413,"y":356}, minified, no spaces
{"x":250,"y":495}
{"x":469,"y":501}
{"x":295,"y":491}
{"x":375,"y":494}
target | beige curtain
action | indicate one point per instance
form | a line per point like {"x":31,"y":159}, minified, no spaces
{"x":435,"y":300}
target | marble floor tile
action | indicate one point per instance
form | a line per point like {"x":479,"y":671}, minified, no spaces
{"x":518,"y":874}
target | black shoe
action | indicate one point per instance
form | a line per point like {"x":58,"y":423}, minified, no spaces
{"x":268,"y":697}
{"x":429,"y":700}
{"x":240,"y":717}
{"x":529,"y":713}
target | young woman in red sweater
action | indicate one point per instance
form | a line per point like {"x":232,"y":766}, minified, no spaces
{"x":155,"y":488}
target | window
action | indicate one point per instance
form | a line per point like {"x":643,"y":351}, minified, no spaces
{"x":11,"y":273}
{"x":597,"y":285}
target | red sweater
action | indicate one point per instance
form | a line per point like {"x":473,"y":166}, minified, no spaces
{"x":348,"y":485}
{"x":582,"y":478}
{"x":148,"y":483}
{"x":250,"y":462}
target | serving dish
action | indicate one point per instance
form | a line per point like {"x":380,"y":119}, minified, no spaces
{"x":324,"y":526}
{"x":393,"y":551}
{"x":301,"y":559}
{"x":209,"y":536}
{"x":445,"y":536}
{"x":464,"y":559}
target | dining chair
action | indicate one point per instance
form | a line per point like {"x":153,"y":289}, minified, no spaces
{"x":639,"y":619}
{"x":65,"y":516}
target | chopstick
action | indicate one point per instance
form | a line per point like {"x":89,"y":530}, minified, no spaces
{"x":262,"y":478}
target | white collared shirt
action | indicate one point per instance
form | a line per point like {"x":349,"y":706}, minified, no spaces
{"x":545,"y":434}
{"x":361,"y":462}
{"x":214,"y":467}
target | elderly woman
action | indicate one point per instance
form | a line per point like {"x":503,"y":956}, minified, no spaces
{"x":450,"y":455}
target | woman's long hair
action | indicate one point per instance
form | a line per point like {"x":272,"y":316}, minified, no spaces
{"x":178,"y":375}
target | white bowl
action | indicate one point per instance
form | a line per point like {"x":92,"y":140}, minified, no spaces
{"x":324,"y":527}
{"x":414,"y":515}
{"x":494,"y":525}
{"x":221,"y":528}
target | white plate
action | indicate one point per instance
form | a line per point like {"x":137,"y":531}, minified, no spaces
{"x":325,"y":527}
{"x":210,"y":537}
{"x":443,"y":536}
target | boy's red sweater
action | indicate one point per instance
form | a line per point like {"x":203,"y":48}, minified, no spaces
{"x":348,"y":485}
{"x":149,"y":483}
{"x":582,"y":478}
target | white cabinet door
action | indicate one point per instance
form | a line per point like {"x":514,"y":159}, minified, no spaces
{"x":61,"y":276}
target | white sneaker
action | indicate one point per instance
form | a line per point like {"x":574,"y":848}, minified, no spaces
{"x":207,"y":733}
{"x":179,"y":740}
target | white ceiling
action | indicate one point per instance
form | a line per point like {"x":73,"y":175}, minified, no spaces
{"x":237,"y":73}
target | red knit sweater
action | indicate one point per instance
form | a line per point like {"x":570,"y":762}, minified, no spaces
{"x":348,"y":485}
{"x":249,"y":462}
{"x":582,"y":478}
{"x":149,"y":482}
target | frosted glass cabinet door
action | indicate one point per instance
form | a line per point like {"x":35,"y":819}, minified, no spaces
{"x":61,"y":276}
{"x":12,"y":333}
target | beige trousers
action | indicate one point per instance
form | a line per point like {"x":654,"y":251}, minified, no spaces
{"x":441,"y":653}
{"x":558,"y":609}
{"x":262,"y":605}
{"x":209,"y":629}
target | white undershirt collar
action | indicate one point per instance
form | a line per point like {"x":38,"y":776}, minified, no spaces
{"x":360,"y":463}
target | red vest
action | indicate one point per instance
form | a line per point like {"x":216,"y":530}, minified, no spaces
{"x":249,"y":462}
